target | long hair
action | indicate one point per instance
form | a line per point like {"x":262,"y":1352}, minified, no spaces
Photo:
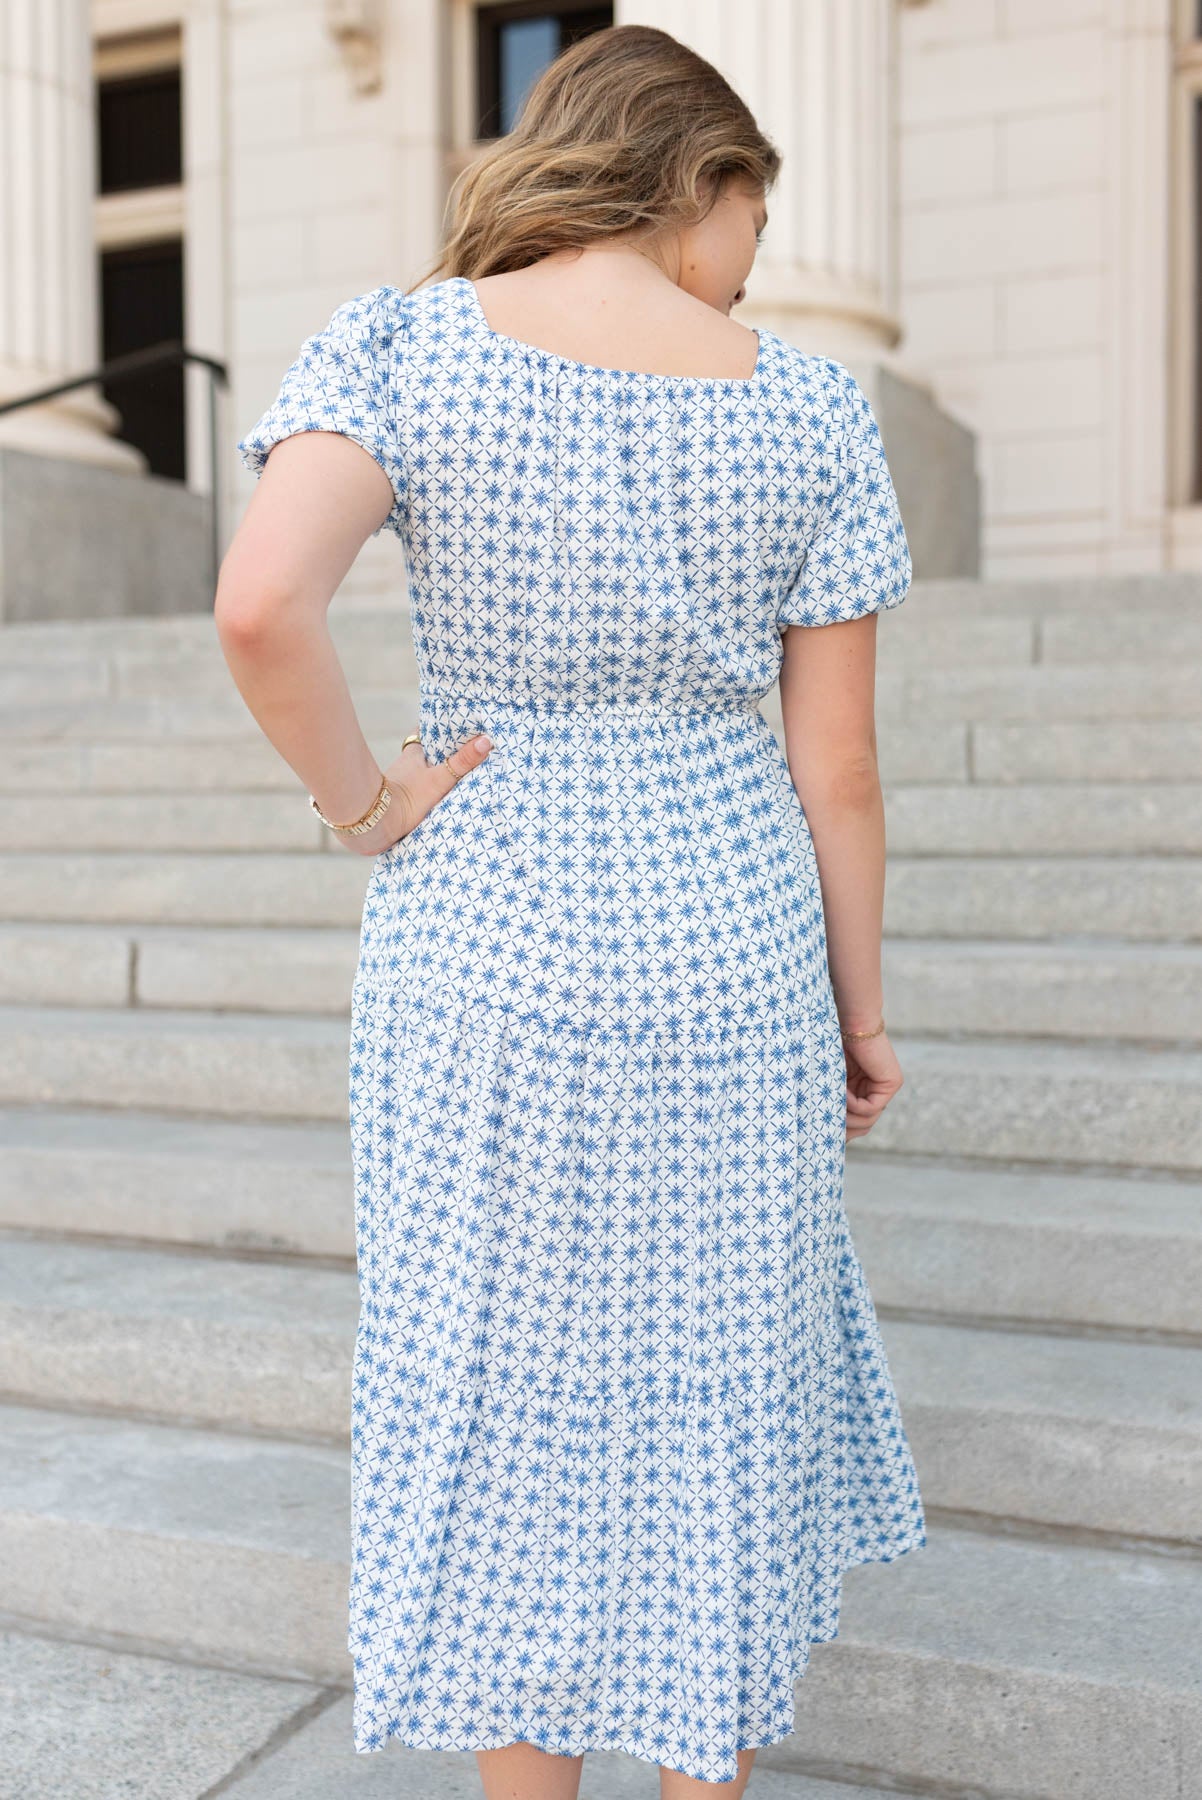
{"x":627,"y":130}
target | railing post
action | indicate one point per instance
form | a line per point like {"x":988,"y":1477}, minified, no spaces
{"x":214,"y":497}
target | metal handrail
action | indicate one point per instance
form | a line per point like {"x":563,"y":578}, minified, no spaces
{"x":141,"y":362}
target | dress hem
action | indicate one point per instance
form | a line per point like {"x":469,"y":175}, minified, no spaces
{"x":599,"y":1744}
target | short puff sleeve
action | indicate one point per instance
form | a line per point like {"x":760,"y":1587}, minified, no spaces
{"x":857,"y":559}
{"x":345,"y":379}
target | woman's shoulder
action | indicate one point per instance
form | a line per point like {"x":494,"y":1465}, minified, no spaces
{"x":362,"y":332}
{"x":821,"y":387}
{"x":375,"y":334}
{"x":378,"y":315}
{"x":421,"y":318}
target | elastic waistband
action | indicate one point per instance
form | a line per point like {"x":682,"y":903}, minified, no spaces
{"x":478,"y":698}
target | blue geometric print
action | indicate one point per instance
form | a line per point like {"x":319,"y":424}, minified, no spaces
{"x":621,"y":1412}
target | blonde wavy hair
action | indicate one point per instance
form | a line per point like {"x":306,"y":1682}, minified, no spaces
{"x":627,"y":130}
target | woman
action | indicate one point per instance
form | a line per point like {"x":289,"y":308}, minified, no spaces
{"x":621,"y":1411}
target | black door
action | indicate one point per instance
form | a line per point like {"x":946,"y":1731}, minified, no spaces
{"x":142,"y":302}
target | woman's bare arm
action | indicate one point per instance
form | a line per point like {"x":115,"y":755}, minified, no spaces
{"x":827,"y":684}
{"x":318,"y":499}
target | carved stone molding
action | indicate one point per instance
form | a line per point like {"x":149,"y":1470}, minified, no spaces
{"x":355,"y":26}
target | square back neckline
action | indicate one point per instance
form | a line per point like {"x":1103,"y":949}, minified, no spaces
{"x":649,"y":375}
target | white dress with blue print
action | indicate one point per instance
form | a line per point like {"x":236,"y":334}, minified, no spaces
{"x":621,"y":1415}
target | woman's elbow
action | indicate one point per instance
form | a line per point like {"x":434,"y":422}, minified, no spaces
{"x":846,"y":784}
{"x":243,"y":602}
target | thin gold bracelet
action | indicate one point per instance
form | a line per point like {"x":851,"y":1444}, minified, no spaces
{"x":863,"y":1034}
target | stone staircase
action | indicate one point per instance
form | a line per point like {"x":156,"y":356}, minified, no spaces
{"x":178,"y":1296}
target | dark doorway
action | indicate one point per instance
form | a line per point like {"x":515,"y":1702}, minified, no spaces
{"x":142,"y":303}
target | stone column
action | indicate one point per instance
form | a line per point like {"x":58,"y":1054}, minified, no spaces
{"x":820,"y":76}
{"x":49,"y":305}
{"x":828,"y":279}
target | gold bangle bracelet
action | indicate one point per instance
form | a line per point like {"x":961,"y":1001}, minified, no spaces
{"x":365,"y":821}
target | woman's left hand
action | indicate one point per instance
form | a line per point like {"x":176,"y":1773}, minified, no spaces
{"x":417,"y":787}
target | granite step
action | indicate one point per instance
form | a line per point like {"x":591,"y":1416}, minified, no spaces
{"x":1133,"y":751}
{"x":1034,"y":1100}
{"x":935,"y":818}
{"x":190,"y":1731}
{"x":1007,"y":898}
{"x":200,"y":1339}
{"x":1006,"y":1425}
{"x":1075,"y":1665}
{"x":1052,"y":596}
{"x":281,"y":1187}
{"x":235,"y":1065}
{"x":1059,"y":1248}
{"x":1037,"y":694}
{"x":195,"y":822}
{"x":314,"y":1764}
{"x":1033,"y":696}
{"x":1084,"y":989}
{"x":155,"y":670}
{"x":104,"y":766}
{"x":281,"y":969}
{"x":1136,"y":899}
{"x":1152,"y":634}
{"x":238,"y":889}
{"x":233,"y":763}
{"x":91,"y":1721}
{"x":185,"y":652}
{"x":1074,"y":1433}
{"x":1092,"y":599}
{"x":1023,"y":1099}
{"x":998,"y":1667}
{"x":220,"y":1546}
{"x":178,"y":719}
{"x":1136,"y":750}
{"x":182,"y":654}
{"x":1022,"y":819}
{"x":1113,"y":750}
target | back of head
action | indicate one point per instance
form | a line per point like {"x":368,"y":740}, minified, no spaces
{"x":626,"y":131}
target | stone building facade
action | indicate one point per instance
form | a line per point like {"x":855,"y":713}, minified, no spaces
{"x":988,"y":209}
